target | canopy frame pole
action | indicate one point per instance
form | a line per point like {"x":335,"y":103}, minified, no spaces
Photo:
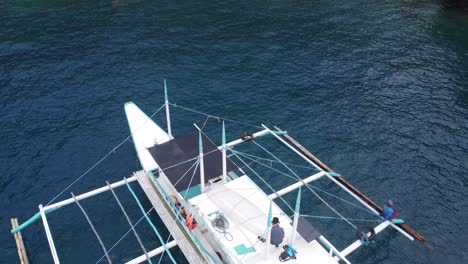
{"x":224,"y":154}
{"x":49,"y":235}
{"x":168,"y":115}
{"x":296,"y":217}
{"x":202,"y":164}
{"x":269,"y":226}
{"x":335,"y":181}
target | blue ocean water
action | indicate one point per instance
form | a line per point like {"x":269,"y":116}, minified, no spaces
{"x":377,"y":89}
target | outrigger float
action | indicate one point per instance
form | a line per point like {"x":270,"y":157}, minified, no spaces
{"x":214,"y":211}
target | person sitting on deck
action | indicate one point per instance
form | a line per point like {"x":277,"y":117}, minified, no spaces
{"x":387,"y":212}
{"x":277,"y":232}
{"x":191,"y":222}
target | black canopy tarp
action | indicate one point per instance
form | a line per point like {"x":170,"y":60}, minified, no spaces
{"x":181,"y":149}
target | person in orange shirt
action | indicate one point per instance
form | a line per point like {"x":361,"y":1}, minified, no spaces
{"x":191,"y":222}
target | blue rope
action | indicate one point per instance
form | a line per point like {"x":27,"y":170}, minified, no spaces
{"x":310,"y":185}
{"x":149,"y":222}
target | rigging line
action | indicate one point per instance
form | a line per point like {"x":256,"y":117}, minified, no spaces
{"x":162,"y":254}
{"x":92,"y":227}
{"x":103,"y":158}
{"x":149,"y":222}
{"x":129,"y":222}
{"x":316,"y":188}
{"x":124,"y":235}
{"x":215,"y":193}
{"x":205,"y":114}
{"x":308,"y":187}
{"x":191,"y":179}
{"x":290,"y":164}
{"x":269,"y":186}
{"x":337,"y":218}
{"x":208,"y":117}
{"x":183,"y":176}
{"x":185,"y":161}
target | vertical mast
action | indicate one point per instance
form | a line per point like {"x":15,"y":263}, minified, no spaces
{"x":202,"y":165}
{"x":268,"y":231}
{"x":224,"y":154}
{"x":296,"y":217}
{"x":168,"y":116}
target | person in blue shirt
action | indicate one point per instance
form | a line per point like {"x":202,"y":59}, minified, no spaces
{"x":387,"y":212}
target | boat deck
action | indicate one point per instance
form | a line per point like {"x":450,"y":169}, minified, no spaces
{"x":246,"y":206}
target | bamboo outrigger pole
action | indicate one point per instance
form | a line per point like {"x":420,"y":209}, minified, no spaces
{"x":23,"y":257}
{"x":407,"y":230}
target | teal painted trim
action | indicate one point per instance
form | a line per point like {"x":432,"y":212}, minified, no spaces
{"x":334,"y":174}
{"x":242,"y":249}
{"x":224,"y":135}
{"x":200,"y":143}
{"x":31,"y":220}
{"x":149,"y":222}
{"x":298,"y":201}
{"x":166,"y":98}
{"x":398,"y":221}
{"x":191,"y":192}
{"x":280,"y":132}
{"x":269,"y":215}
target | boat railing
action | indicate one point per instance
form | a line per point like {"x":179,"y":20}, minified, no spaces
{"x":169,"y":201}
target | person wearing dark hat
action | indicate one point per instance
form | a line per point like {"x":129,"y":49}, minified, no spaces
{"x":277,"y":232}
{"x":387,"y":212}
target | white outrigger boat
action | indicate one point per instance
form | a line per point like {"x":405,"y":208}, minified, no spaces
{"x":213,"y":210}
